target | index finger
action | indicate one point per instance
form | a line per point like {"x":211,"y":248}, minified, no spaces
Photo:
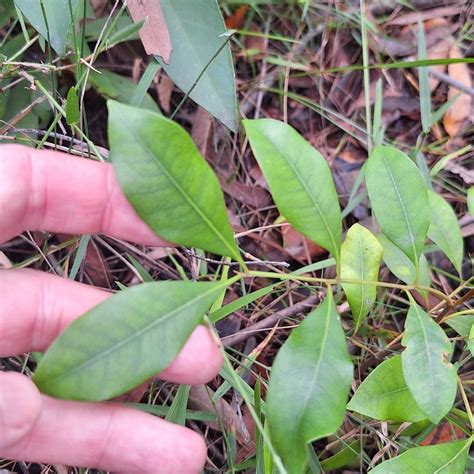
{"x":52,"y":191}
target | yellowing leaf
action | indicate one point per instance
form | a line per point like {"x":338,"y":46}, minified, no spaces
{"x":361,"y":254}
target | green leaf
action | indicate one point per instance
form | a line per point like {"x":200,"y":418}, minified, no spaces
{"x":72,"y":107}
{"x":470,"y":200}
{"x":300,"y":181}
{"x":427,"y":369}
{"x":384,"y":395}
{"x":346,"y":456}
{"x":195,"y":28}
{"x":361,"y":254}
{"x":401,"y":266}
{"x":167,"y":181}
{"x":470,"y":341}
{"x":444,"y":230}
{"x":447,"y":458}
{"x":123,"y":341}
{"x":423,"y":80}
{"x":120,"y":88}
{"x":461,"y":324}
{"x":399,"y":199}
{"x":309,"y":385}
{"x":58,"y":20}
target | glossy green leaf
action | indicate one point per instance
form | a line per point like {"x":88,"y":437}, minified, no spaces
{"x":58,"y":20}
{"x":462,"y":324}
{"x":399,"y":200}
{"x":384,"y":395}
{"x":195,"y":30}
{"x":300,"y":181}
{"x":470,"y":200}
{"x":167,"y":181}
{"x":446,"y":458}
{"x":401,"y":266}
{"x":444,"y":230}
{"x":427,"y":369}
{"x":120,"y":88}
{"x":123,"y":341}
{"x":72,"y":107}
{"x":309,"y":385}
{"x":361,"y":254}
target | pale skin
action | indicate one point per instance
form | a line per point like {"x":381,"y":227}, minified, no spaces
{"x":55,"y":192}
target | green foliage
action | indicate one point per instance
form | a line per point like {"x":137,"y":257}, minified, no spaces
{"x":196,"y":30}
{"x":361,"y":254}
{"x":470,"y":200}
{"x":384,"y":395}
{"x":167,"y":181}
{"x":427,"y":369}
{"x":447,"y":458}
{"x":120,"y":88}
{"x":309,"y":384}
{"x":401,"y":266}
{"x":444,"y":230}
{"x":399,"y":200}
{"x":294,"y":168}
{"x":72,"y":107}
{"x":124,"y":341}
{"x":54,"y":24}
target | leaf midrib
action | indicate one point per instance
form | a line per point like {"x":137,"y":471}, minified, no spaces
{"x":404,"y":210}
{"x":318,"y":365}
{"x":427,"y":346}
{"x":466,"y":445}
{"x":307,"y":190}
{"x":135,"y":335}
{"x":187,"y":197}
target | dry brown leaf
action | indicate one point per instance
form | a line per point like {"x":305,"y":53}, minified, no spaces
{"x":199,"y":400}
{"x":164,"y":91}
{"x":298,"y":246}
{"x":154,"y":32}
{"x":236,"y":20}
{"x":459,"y":112}
{"x":202,"y":132}
{"x":438,"y":27}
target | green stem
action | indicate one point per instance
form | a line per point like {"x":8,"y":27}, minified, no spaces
{"x":466,"y":404}
{"x":336,"y":281}
{"x":55,"y":104}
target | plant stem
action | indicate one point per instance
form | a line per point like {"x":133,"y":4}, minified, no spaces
{"x":466,"y":404}
{"x":336,"y":281}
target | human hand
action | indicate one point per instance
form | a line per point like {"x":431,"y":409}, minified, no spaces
{"x":47,"y":190}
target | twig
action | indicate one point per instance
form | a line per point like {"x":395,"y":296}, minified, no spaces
{"x":451,"y":81}
{"x":270,"y":321}
{"x":265,"y":263}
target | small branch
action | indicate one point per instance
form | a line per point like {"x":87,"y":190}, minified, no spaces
{"x":270,"y":321}
{"x":451,"y":81}
{"x":264,"y":263}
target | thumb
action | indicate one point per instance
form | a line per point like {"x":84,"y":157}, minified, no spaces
{"x":20,"y":407}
